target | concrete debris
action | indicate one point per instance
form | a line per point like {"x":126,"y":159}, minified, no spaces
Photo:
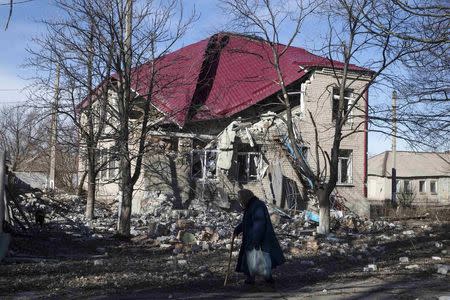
{"x":442,"y":269}
{"x":370,"y":268}
{"x":98,"y":262}
{"x":403,"y":259}
{"x":438,"y":245}
{"x":203,"y":228}
{"x":408,"y":232}
{"x":182,"y":262}
{"x":411,"y":267}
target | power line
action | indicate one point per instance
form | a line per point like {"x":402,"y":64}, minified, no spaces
{"x":17,"y":2}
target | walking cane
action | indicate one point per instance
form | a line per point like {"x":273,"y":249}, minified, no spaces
{"x":229,"y":261}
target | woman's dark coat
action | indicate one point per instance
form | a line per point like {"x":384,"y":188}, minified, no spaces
{"x":257,"y":231}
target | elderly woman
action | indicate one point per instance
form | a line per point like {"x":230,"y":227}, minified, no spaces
{"x":258,"y":233}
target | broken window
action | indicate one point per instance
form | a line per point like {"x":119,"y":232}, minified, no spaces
{"x":204,"y":164}
{"x":196,"y":164}
{"x":297,"y":98}
{"x":247,"y":166}
{"x":348,"y":102}
{"x":433,"y":186}
{"x":345,"y":167}
{"x":422,"y":186}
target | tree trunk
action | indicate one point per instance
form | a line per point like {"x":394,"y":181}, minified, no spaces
{"x":81,"y":184}
{"x":125,"y":215}
{"x":324,"y":212}
{"x":90,"y":195}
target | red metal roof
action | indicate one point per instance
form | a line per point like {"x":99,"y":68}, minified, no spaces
{"x":221,"y":76}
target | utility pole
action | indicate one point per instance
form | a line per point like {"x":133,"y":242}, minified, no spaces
{"x":394,"y":149}
{"x":54,"y":132}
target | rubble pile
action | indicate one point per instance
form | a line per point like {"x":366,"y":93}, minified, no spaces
{"x":173,"y":247}
{"x":207,"y":228}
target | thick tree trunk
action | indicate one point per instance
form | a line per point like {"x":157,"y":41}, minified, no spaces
{"x":324,"y":212}
{"x":81,"y":184}
{"x":126,"y":188}
{"x":90,"y":195}
{"x":125,"y":214}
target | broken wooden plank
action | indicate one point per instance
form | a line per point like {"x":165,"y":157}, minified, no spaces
{"x":182,"y":135}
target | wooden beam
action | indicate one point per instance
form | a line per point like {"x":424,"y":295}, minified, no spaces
{"x":182,"y":135}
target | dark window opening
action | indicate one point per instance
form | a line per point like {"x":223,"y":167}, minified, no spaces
{"x":247,"y":166}
{"x":345,"y":167}
{"x":347,"y":101}
{"x":433,"y":187}
{"x":422,"y":186}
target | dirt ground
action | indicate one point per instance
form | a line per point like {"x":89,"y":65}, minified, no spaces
{"x":49,"y":263}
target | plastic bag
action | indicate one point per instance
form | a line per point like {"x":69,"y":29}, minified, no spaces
{"x":259,"y":263}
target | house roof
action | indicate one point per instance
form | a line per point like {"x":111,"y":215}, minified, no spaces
{"x":411,"y":164}
{"x":222,"y":75}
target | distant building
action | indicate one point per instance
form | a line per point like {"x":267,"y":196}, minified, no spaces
{"x":424,"y":177}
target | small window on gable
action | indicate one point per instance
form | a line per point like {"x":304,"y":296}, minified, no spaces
{"x":433,"y":186}
{"x":348,"y":102}
{"x":204,"y":164}
{"x":345,"y":173}
{"x":247,"y":166}
{"x":422,"y":188}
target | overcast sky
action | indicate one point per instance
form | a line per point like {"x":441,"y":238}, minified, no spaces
{"x":25,"y":25}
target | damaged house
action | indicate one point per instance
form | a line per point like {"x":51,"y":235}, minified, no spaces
{"x":223,"y":127}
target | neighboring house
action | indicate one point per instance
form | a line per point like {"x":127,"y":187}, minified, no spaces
{"x":423,"y":177}
{"x":223,"y":130}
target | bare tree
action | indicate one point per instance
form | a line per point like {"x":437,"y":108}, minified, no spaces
{"x":145,"y":34}
{"x":21,"y":135}
{"x":77,"y":43}
{"x":356,"y":28}
{"x":423,"y":82}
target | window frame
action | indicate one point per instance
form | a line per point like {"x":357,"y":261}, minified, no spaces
{"x":106,"y":156}
{"x":350,"y":100}
{"x":424,"y":190}
{"x":349,"y":168}
{"x":407,"y":187}
{"x":249,"y":177}
{"x":435,"y":192}
{"x":302,"y":93}
{"x":203,"y":156}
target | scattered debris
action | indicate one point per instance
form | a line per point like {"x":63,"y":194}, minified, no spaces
{"x":442,"y":269}
{"x":410,"y":267}
{"x":370,"y":268}
{"x":403,"y":259}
